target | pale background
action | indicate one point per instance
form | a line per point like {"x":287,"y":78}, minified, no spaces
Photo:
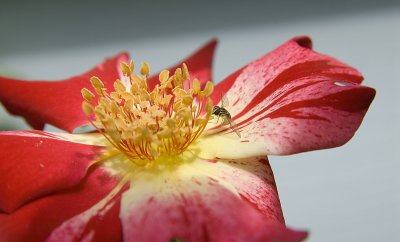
{"x":351,"y":193}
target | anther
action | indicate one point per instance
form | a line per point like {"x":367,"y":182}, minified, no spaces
{"x":144,"y":124}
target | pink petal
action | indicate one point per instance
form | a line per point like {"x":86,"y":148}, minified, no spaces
{"x":294,"y":99}
{"x":199,"y":64}
{"x":197,"y":205}
{"x":38,"y":219}
{"x":34,"y":164}
{"x":57,"y":103}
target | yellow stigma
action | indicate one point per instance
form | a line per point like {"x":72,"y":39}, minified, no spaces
{"x":145,"y":124}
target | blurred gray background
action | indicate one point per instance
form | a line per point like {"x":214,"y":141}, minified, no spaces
{"x":351,"y":193}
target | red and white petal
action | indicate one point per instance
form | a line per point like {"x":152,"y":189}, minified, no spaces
{"x":254,"y":181}
{"x":74,"y":214}
{"x":199,"y":65}
{"x":294,"y":99}
{"x":34,"y":164}
{"x":195,"y":201}
{"x":55,"y":102}
{"x":251,"y":178}
{"x":311,"y":121}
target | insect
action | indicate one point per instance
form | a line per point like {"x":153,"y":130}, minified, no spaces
{"x":221,"y":112}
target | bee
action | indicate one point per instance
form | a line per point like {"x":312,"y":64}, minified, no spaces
{"x":222,"y":112}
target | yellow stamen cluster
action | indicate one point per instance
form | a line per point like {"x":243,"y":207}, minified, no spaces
{"x":145,"y":124}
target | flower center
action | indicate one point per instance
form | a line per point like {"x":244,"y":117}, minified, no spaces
{"x":145,"y":124}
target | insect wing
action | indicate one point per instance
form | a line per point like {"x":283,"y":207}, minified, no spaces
{"x":224,"y":101}
{"x":234,"y":127}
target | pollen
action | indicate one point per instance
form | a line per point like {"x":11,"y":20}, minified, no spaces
{"x":145,"y":124}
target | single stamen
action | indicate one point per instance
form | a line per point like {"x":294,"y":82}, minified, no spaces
{"x":144,"y":124}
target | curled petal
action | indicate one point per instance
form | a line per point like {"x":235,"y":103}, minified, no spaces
{"x":34,"y":164}
{"x":73,"y":214}
{"x":294,"y":100}
{"x":55,"y":102}
{"x":197,"y":202}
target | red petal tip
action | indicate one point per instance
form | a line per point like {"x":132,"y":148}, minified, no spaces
{"x":304,"y":41}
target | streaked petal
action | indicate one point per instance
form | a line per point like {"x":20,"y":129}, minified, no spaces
{"x":294,"y":100}
{"x":254,"y":181}
{"x":197,"y":201}
{"x":55,"y":102}
{"x":34,"y":164}
{"x":70,"y":209}
{"x":199,"y":64}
